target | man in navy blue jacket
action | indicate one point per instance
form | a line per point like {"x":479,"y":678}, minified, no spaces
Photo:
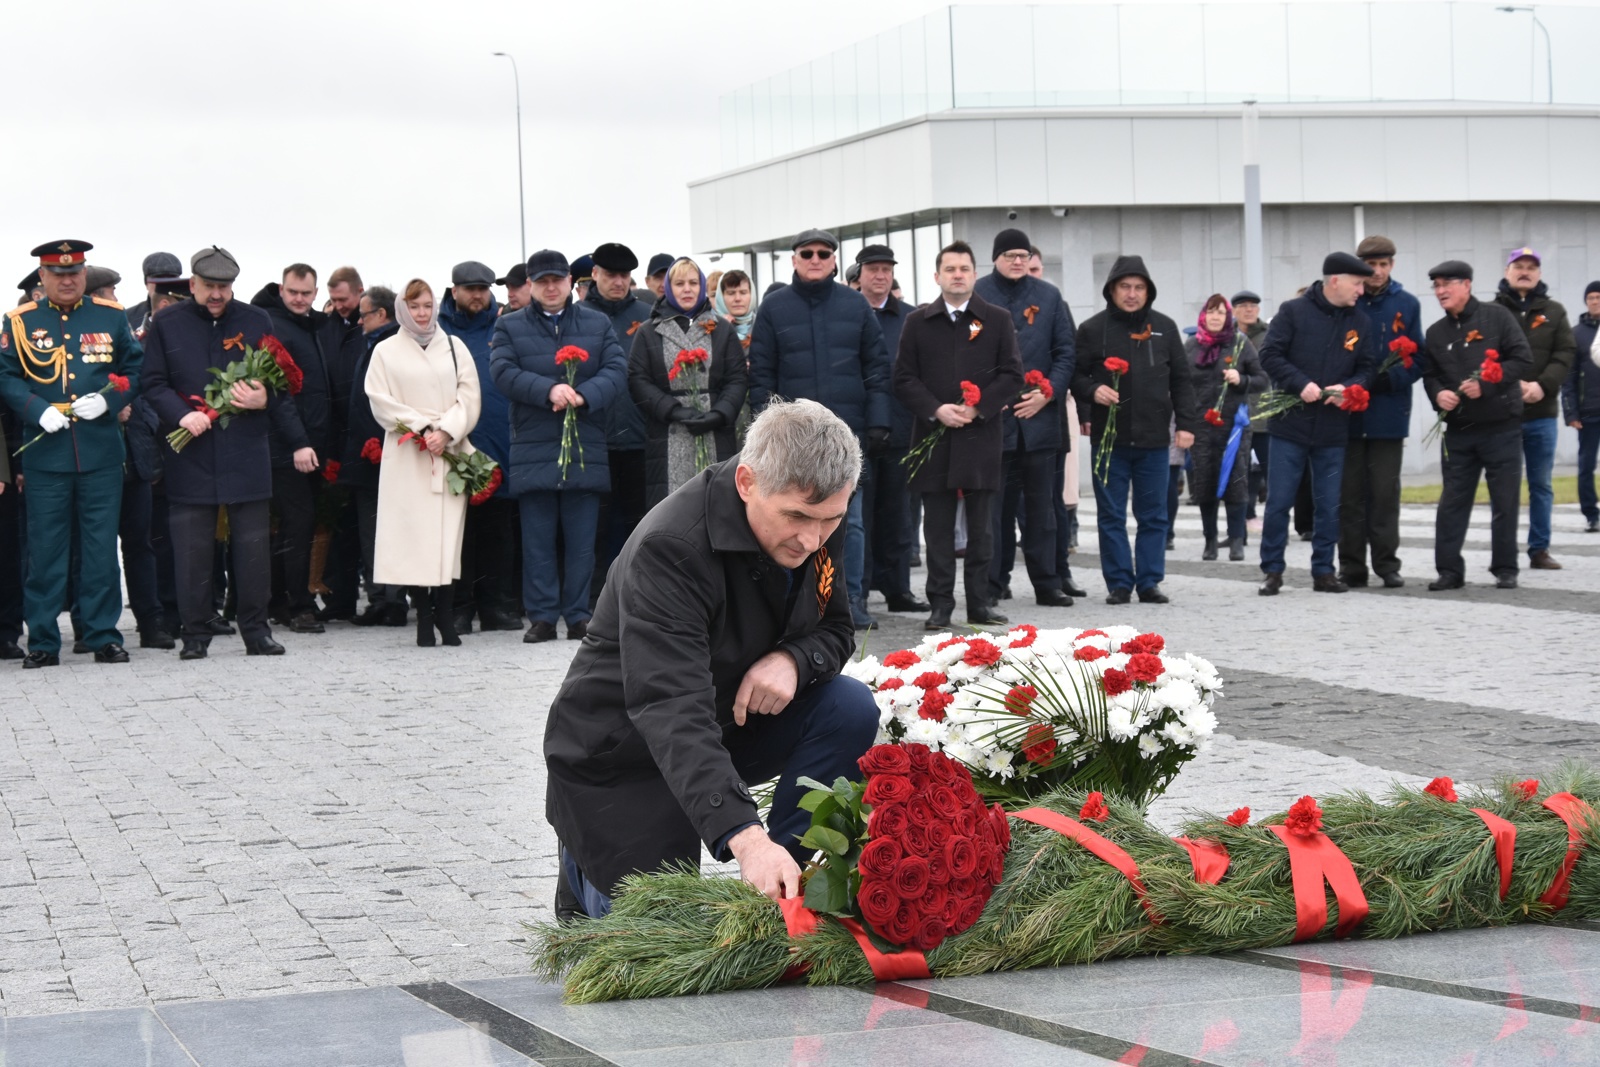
{"x":818,"y":340}
{"x":1317,"y":346}
{"x":1369,"y":510}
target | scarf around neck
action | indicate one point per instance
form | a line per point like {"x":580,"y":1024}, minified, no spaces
{"x":1213,"y":344}
{"x":408,"y":324}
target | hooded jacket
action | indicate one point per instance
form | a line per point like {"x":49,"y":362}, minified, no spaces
{"x":302,"y":335}
{"x":492,"y":434}
{"x":626,"y":430}
{"x":1046,"y":339}
{"x":1580,"y":393}
{"x":1310,"y":340}
{"x":1549,"y":332}
{"x":1457,"y":347}
{"x":1157,"y":387}
{"x":1393,"y":312}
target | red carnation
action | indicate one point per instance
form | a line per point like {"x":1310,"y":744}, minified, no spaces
{"x":1355,"y":398}
{"x":885,"y":759}
{"x":888,"y":820}
{"x":1039,"y":746}
{"x":970,"y":394}
{"x":1213,"y":416}
{"x":1491,"y":372}
{"x":571,"y":354}
{"x":489,"y":488}
{"x":934,"y":701}
{"x":981,"y":653}
{"x":1089,"y":653}
{"x":1304,"y":817}
{"x":1115,"y":682}
{"x":1035,"y":379}
{"x":1443,"y":788}
{"x":1404,"y":347}
{"x":887,"y":789}
{"x":372,"y":451}
{"x":947,"y":642}
{"x":1019,"y":699}
{"x":1091,"y":633}
{"x":1491,"y":355}
{"x":902,"y":659}
{"x":910,"y":879}
{"x":1094,"y":808}
{"x":1143,"y":667}
{"x":1151,"y":643}
{"x":929,"y":680}
{"x":1117,"y":365}
{"x":892,"y":683}
{"x":880,"y":858}
{"x":1527,"y":789}
{"x":878,"y":902}
{"x":1240,"y":817}
{"x":330,"y":471}
{"x":119,"y":382}
{"x":1030,"y":634}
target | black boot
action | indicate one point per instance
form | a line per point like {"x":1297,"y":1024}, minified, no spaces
{"x":422,"y":600}
{"x":444,"y":615}
{"x":1210,"y":549}
{"x":1236,"y":549}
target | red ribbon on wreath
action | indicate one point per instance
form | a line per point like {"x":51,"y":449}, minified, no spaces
{"x":1103,"y":849}
{"x":800,"y":921}
{"x":1576,"y":814}
{"x":886,"y":967}
{"x":1505,"y":845}
{"x":1313,"y":858}
{"x":1209,"y":859}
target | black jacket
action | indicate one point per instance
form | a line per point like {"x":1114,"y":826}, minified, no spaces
{"x":1580,"y":394}
{"x":1156,"y":390}
{"x":1310,"y":340}
{"x":225,"y":465}
{"x":360,"y":426}
{"x":638,"y":772}
{"x":1544,"y":322}
{"x":302,"y":335}
{"x":141,"y":434}
{"x":625,"y":423}
{"x":653,"y":396}
{"x":892,"y":320}
{"x":821,"y":341}
{"x":1046,"y":340}
{"x":1208,"y":383}
{"x":1456,"y":348}
{"x":343,"y":346}
{"x":936,"y":355}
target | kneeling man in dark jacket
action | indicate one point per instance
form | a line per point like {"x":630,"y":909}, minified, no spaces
{"x":712,"y":661}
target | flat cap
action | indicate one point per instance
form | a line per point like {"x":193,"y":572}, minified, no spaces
{"x":618,"y":258}
{"x":815,"y":237}
{"x":1345,"y":263}
{"x":852,"y":273}
{"x":158,"y":265}
{"x":30,"y":281}
{"x":471,"y":272}
{"x":660,"y":263}
{"x":173,"y":287}
{"x":876,"y":254}
{"x":1245,"y":296}
{"x":515,"y":278}
{"x":61,"y":257}
{"x":583,"y":268}
{"x":1452,"y":268}
{"x":545,"y":262}
{"x":214,"y":264}
{"x":98,"y":277}
{"x":1376,"y":246}
{"x":1523,"y":253}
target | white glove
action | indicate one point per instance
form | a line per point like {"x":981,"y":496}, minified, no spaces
{"x":52,"y":420}
{"x":89,"y":407}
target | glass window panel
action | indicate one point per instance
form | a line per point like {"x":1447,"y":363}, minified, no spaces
{"x":926,"y":245}
{"x":992,"y":69}
{"x":891,"y":87}
{"x":1074,"y":60}
{"x":868,"y":109}
{"x":761,"y":112}
{"x":824,"y":117}
{"x":914,"y":68}
{"x":746,"y":122}
{"x":905,"y":262}
{"x":1245,"y":54}
{"x":801,"y":103}
{"x":1162,"y":53}
{"x":728,"y":121}
{"x":936,"y":40}
{"x":782,"y":115}
{"x":846,"y":91}
{"x":1330,"y":55}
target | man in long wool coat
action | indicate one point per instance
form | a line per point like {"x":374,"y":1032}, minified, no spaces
{"x":712,"y":662}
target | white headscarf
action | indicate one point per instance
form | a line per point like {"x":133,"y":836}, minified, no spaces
{"x":408,"y":325}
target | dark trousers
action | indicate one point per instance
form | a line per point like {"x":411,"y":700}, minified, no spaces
{"x":1143,"y":473}
{"x":1029,"y":480}
{"x":558,"y":587}
{"x":295,"y":501}
{"x":161,"y":549}
{"x":939,"y":540}
{"x":1284,"y":478}
{"x":1369,"y":507}
{"x":489,"y":560}
{"x":1588,"y":446}
{"x":1261,"y":448}
{"x":1066,"y":517}
{"x":366,"y":507}
{"x":620,"y":512}
{"x":62,"y":508}
{"x":1498,"y":457}
{"x":10,"y":561}
{"x":891,"y":539}
{"x":342,"y":572}
{"x":194,"y":531}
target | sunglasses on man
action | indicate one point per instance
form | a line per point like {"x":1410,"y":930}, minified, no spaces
{"x":815,"y":253}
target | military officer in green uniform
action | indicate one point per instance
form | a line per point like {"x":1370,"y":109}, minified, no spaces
{"x":56,"y":357}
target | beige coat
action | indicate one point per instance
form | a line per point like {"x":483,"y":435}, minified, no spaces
{"x":420,"y":522}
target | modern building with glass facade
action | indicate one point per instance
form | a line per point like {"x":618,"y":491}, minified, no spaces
{"x":1104,"y":129}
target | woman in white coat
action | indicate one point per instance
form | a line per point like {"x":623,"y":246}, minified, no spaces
{"x":424,"y":380}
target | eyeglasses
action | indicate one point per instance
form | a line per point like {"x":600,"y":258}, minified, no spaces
{"x":817,"y":253}
{"x":1017,"y":257}
{"x":365,"y":314}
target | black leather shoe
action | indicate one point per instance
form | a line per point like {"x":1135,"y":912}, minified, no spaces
{"x":1052,"y":598}
{"x":1353,"y":580}
{"x":35,"y":660}
{"x":1392,"y":580}
{"x":11,"y":650}
{"x":938,"y":620}
{"x":577,"y":631}
{"x":497,"y":620}
{"x":1004,"y":594}
{"x":1172,"y":541}
{"x":193,"y":649}
{"x":539,"y":632}
{"x":393,"y":615}
{"x":1270,"y":585}
{"x":112,"y":653}
{"x":984,"y":615}
{"x":1506,"y":581}
{"x":156,"y":639}
{"x":1210,"y":551}
{"x":307,"y":623}
{"x":80,"y":649}
{"x":371,"y":617}
{"x":265,"y":646}
{"x":1119,"y":596}
{"x":1329,"y":583}
{"x":462,"y":620}
{"x":1154,"y":595}
{"x":1445,"y":581}
{"x":1593,"y":526}
{"x":1072,"y":589}
{"x":1236,"y":549}
{"x":218,"y":626}
{"x":908,"y":602}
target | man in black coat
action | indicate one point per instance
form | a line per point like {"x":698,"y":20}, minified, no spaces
{"x":363,"y":439}
{"x":1317,"y":346}
{"x":229,"y":465}
{"x":296,"y":483}
{"x":1154,"y":391}
{"x":1035,"y":446}
{"x":1483,"y":421}
{"x":957,"y":340}
{"x":712,"y":662}
{"x":344,"y":345}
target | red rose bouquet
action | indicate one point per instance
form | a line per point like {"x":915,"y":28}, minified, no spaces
{"x":268,"y":364}
{"x":465,"y":472}
{"x":568,"y":357}
{"x":970,"y":395}
{"x":691,"y":362}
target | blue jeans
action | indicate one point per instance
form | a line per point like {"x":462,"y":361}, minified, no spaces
{"x":855,"y":546}
{"x":552,"y":588}
{"x":1144,"y":471}
{"x":1539,"y":456}
{"x":820,"y":735}
{"x":1588,"y":445}
{"x":1286,"y":463}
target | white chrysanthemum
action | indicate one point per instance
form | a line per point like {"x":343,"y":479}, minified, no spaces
{"x":885,"y":702}
{"x":926,"y":646}
{"x":926,"y":732}
{"x":1149,"y":746}
{"x":1178,"y":734}
{"x":1200,"y":721}
{"x":964,"y":672}
{"x":1005,"y":672}
{"x":1177,"y":695}
{"x":1119,"y":634}
{"x":997,"y":764}
{"x":1205,"y":674}
{"x":942,"y":658}
{"x":1176,"y":669}
{"x":1121,"y":721}
{"x":863,"y":670}
{"x":964,"y":753}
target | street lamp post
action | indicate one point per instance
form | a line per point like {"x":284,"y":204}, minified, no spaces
{"x":522,"y":210}
{"x":1549,"y":65}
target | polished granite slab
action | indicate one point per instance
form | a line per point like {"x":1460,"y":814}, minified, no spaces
{"x":120,"y":1037}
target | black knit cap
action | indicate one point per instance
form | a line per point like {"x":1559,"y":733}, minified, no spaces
{"x":1009,"y":241}
{"x":1593,"y":287}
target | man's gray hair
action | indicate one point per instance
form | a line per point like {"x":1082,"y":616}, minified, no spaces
{"x":799,"y":444}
